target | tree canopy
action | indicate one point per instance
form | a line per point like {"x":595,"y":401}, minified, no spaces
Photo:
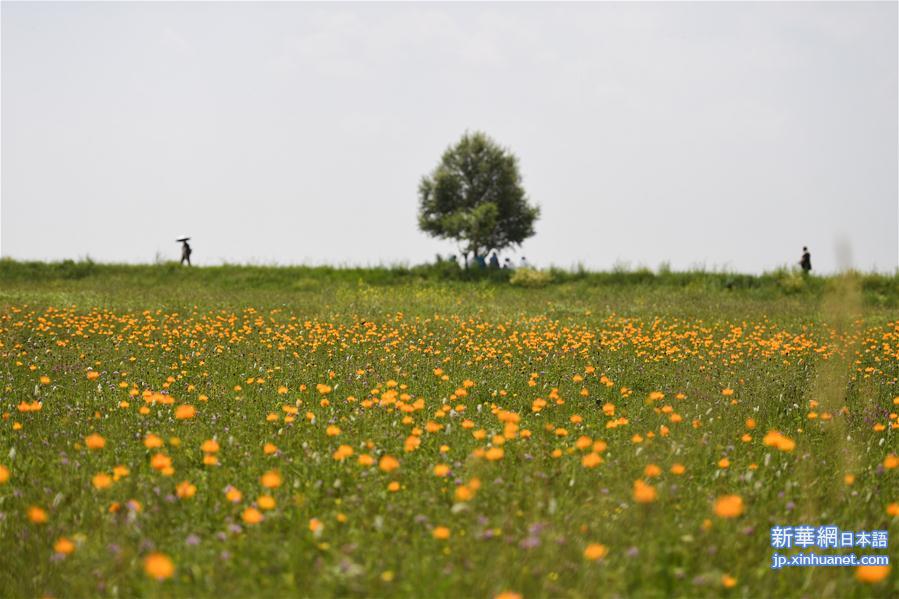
{"x":475,"y":197}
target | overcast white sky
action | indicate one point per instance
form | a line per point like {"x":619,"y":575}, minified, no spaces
{"x":722,"y":134}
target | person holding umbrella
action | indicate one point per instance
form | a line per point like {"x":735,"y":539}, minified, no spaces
{"x":185,"y":249}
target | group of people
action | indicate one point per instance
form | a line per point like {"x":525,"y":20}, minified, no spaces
{"x":492,"y":261}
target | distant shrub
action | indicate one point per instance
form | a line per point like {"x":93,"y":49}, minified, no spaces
{"x":528,"y":277}
{"x":790,"y":280}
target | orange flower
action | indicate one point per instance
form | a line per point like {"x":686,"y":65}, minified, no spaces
{"x":101,"y":481}
{"x":388,"y":463}
{"x":441,"y":470}
{"x":776,"y":439}
{"x":893,"y":509}
{"x":64,"y":546}
{"x":210,"y":446}
{"x":93,"y":375}
{"x":160,"y":461}
{"x":233,"y":495}
{"x":644,"y":493}
{"x":441,"y":533}
{"x":151,"y":441}
{"x":494,"y":453}
{"x":271,"y":479}
{"x":316,"y":526}
{"x":393,"y":487}
{"x":266,"y":502}
{"x":678,"y":469}
{"x":4,"y":474}
{"x":252,"y":516}
{"x":185,"y":490}
{"x":94,"y":441}
{"x":729,"y":506}
{"x":37,"y":515}
{"x":891,"y":461}
{"x":159,"y":566}
{"x":595,"y":551}
{"x":728,"y":582}
{"x":591,"y":460}
{"x":343,"y":452}
{"x":269,"y":448}
{"x":463,"y":493}
{"x":872,"y":574}
{"x":652,"y":470}
{"x":185,"y":412}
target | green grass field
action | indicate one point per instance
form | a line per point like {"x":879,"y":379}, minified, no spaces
{"x":253,"y":431}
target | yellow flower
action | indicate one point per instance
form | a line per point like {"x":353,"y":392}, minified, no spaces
{"x":159,"y":566}
{"x":595,"y":551}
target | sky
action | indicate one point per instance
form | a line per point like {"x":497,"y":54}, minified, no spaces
{"x":716,"y":135}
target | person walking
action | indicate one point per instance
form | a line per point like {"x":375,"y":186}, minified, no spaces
{"x":806,"y":261}
{"x":185,"y":250}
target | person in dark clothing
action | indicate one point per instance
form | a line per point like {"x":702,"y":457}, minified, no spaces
{"x":185,"y":252}
{"x":494,"y":260}
{"x":806,"y":262}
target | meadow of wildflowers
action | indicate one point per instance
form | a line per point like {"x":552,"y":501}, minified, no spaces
{"x":451,"y":440}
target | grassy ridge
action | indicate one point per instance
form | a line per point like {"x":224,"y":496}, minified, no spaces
{"x":877,"y":289}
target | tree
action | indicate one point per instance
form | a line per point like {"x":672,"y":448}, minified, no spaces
{"x":475,"y":197}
